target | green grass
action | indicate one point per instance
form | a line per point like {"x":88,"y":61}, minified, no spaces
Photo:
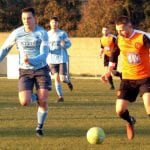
{"x":90,"y":104}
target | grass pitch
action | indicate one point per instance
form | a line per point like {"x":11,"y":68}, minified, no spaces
{"x":90,"y":104}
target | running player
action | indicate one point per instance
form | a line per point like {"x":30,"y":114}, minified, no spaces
{"x":32,"y":44}
{"x":58,"y":57}
{"x":134,"y":49}
{"x":107,"y":42}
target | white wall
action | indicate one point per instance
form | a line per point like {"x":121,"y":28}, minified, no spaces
{"x":12,"y":66}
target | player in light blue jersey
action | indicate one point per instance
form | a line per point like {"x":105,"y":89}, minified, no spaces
{"x":58,"y":56}
{"x":32,"y":43}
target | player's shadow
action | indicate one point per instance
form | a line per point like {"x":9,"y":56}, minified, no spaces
{"x":66,"y":132}
{"x":52,"y":132}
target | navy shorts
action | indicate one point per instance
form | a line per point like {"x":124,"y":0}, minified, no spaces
{"x":59,"y":68}
{"x":129,"y":89}
{"x":39,"y":78}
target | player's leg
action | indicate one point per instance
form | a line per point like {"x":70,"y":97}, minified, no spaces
{"x":43,"y":85}
{"x":122,"y":112}
{"x":122,"y":109}
{"x":146,"y":100}
{"x":64,"y":75}
{"x":25,"y":97}
{"x":58,"y":87}
{"x":110,"y":79}
{"x":55,"y":72}
{"x":145,"y":92}
{"x":42,"y":110}
{"x":126,"y":94}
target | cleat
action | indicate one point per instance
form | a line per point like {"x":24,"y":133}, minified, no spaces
{"x":70,"y":86}
{"x":130,"y":129}
{"x":39,"y":132}
{"x":112,"y":88}
{"x":60,"y":99}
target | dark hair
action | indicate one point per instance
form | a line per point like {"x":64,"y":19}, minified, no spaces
{"x":28,"y":9}
{"x":123,"y":20}
{"x":54,"y":18}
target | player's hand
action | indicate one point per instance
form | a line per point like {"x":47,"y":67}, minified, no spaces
{"x":26,"y":59}
{"x":62,"y":43}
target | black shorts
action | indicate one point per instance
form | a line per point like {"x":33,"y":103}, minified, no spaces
{"x":106,"y":60}
{"x":129,"y":89}
{"x":59,"y":68}
{"x":40,"y":78}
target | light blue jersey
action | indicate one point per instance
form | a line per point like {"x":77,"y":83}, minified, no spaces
{"x":33,"y":44}
{"x":57,"y":53}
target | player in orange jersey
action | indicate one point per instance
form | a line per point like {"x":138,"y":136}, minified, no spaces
{"x":107,"y":42}
{"x":134,"y":49}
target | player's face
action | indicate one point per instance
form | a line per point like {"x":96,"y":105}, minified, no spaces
{"x":105,"y":31}
{"x":124,"y":30}
{"x":28,"y":20}
{"x":54,"y":24}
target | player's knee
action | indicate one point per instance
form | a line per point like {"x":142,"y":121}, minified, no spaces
{"x":43,"y":104}
{"x":119,"y":112}
{"x":24,"y":103}
{"x":62,"y":79}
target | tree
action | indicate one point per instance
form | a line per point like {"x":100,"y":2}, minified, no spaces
{"x":99,"y":13}
{"x":146,"y":23}
{"x":10,"y":13}
{"x":95,"y":15}
{"x":67,"y":11}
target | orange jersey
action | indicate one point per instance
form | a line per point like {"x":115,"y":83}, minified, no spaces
{"x":135,"y":57}
{"x":107,"y":43}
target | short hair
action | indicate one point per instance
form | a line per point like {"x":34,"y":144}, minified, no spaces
{"x":28,"y":9}
{"x":54,"y":18}
{"x":123,"y":20}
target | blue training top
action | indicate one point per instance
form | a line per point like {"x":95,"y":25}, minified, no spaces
{"x":33,"y":44}
{"x":57,"y":53}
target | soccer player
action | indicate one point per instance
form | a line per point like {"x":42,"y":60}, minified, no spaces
{"x":134,"y":49}
{"x":32,"y":44}
{"x":107,"y":42}
{"x":58,"y":56}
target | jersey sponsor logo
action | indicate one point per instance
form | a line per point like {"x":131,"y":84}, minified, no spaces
{"x":107,"y":48}
{"x":133,"y":58}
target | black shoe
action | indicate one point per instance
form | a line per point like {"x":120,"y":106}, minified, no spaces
{"x":133,"y":121}
{"x":112,"y":88}
{"x":39,"y":132}
{"x":60,"y":99}
{"x":70,"y":86}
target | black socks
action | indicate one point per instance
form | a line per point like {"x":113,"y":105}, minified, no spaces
{"x":126,"y":116}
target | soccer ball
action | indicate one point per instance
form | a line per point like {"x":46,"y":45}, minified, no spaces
{"x":95,"y":135}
